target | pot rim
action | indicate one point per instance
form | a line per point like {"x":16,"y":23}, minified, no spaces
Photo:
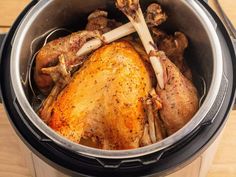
{"x":115,"y":154}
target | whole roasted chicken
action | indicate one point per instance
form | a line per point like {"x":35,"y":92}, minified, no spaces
{"x":103,"y":102}
{"x":113,"y":101}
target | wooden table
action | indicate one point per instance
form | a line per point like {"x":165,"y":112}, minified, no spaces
{"x":11,"y":161}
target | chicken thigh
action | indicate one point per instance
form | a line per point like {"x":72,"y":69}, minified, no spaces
{"x":179,"y":98}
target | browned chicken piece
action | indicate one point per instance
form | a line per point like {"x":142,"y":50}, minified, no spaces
{"x":49,"y":56}
{"x":102,"y":105}
{"x":154,"y":15}
{"x":61,"y":76}
{"x":179,"y":98}
{"x":174,"y":47}
{"x":98,"y":20}
{"x":128,"y":7}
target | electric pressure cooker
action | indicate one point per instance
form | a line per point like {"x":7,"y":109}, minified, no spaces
{"x":212,"y":53}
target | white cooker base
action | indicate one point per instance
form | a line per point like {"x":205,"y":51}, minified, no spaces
{"x":198,"y":168}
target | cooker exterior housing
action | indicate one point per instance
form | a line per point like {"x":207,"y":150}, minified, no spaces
{"x":162,"y":162}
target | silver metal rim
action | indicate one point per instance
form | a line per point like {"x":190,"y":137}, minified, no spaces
{"x":116,"y":154}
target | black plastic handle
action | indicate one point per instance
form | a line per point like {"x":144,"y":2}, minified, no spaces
{"x":2,"y":37}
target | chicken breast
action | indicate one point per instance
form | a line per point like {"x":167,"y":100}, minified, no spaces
{"x":102,"y":105}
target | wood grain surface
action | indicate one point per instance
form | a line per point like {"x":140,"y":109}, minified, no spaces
{"x":12,"y":162}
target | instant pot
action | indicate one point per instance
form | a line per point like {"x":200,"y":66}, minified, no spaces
{"x":211,"y":56}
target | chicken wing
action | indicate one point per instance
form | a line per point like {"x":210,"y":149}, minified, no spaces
{"x":49,"y":56}
{"x":98,"y":20}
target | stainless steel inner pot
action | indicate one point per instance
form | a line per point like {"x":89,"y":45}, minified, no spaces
{"x":204,"y":55}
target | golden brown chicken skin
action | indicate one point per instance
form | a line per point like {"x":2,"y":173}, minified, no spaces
{"x":179,"y":98}
{"x":48,"y":56}
{"x":102,"y":105}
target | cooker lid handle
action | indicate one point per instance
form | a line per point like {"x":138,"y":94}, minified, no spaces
{"x":2,"y":39}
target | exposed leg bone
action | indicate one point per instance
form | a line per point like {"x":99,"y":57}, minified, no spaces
{"x":155,"y":16}
{"x":108,"y":37}
{"x":132,"y":10}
